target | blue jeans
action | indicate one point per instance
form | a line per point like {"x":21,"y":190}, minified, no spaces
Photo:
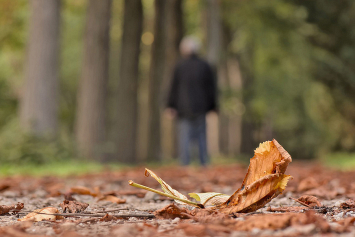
{"x":189,"y":130}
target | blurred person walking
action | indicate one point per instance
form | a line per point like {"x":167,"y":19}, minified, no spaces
{"x":192,"y":95}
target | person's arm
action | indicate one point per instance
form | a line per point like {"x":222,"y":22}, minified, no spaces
{"x":173,"y":93}
{"x":211,"y":88}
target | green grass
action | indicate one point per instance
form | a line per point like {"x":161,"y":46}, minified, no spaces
{"x":341,"y":160}
{"x":63,"y":168}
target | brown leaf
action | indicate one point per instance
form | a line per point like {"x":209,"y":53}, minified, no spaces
{"x":16,"y":231}
{"x":264,"y":180}
{"x":345,"y":224}
{"x":348,"y":204}
{"x":111,"y":198}
{"x":193,"y":229}
{"x":311,"y":201}
{"x":108,"y":217}
{"x":172,"y":211}
{"x":34,"y":216}
{"x":208,"y":215}
{"x":4,"y":186}
{"x":82,"y":190}
{"x":71,"y":234}
{"x":270,"y":221}
{"x":73,"y":206}
{"x":281,"y":221}
{"x":69,"y":196}
{"x":307,"y":184}
{"x":14,"y":208}
{"x":203,"y":229}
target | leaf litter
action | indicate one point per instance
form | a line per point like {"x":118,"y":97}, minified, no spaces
{"x":247,"y":212}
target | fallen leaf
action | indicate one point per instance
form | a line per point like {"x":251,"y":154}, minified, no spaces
{"x":210,"y":198}
{"x":71,"y":234}
{"x":14,"y":208}
{"x":264,"y":180}
{"x":113,"y":199}
{"x":172,"y":211}
{"x":307,"y":184}
{"x":345,"y":224}
{"x":108,"y":217}
{"x":73,"y":206}
{"x":4,"y":186}
{"x":82,"y":190}
{"x":348,"y":204}
{"x":16,"y":231}
{"x":311,"y":201}
{"x":34,"y":216}
{"x":166,"y":187}
{"x":69,"y":196}
{"x":281,"y":221}
{"x":208,"y":215}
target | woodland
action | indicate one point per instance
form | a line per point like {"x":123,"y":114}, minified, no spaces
{"x":89,"y":80}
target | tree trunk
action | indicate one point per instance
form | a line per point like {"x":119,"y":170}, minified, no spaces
{"x":213,"y":56}
{"x":91,"y":108}
{"x":249,"y":126}
{"x":235,"y":120}
{"x":39,"y":103}
{"x":126,"y":129}
{"x":156,"y":77}
{"x":174,"y":34}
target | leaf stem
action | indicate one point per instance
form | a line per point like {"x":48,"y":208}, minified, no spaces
{"x":165,"y":194}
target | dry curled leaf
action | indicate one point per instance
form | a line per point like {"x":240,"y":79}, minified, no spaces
{"x":108,"y":217}
{"x":111,"y":198}
{"x":14,"y":208}
{"x":166,"y":187}
{"x":73,"y":206}
{"x":82,"y":191}
{"x":172,"y":211}
{"x":348,"y":204}
{"x":34,"y":216}
{"x":311,"y":201}
{"x":210,"y":198}
{"x":264,"y":180}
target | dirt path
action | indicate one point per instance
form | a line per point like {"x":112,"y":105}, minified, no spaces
{"x":281,"y":217}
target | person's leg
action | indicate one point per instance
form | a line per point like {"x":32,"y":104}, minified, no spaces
{"x":184,"y":141}
{"x":202,"y":140}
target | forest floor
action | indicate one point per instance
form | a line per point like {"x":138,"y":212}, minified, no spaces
{"x":117,"y":209}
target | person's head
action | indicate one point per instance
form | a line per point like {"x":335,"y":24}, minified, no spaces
{"x":189,"y":45}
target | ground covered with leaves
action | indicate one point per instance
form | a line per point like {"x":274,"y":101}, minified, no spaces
{"x":317,"y":201}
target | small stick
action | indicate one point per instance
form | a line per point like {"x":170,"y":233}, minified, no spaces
{"x":97,"y":215}
{"x":302,"y":203}
{"x":112,"y":210}
{"x":164,"y":194}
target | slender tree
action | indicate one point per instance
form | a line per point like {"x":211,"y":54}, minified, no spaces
{"x":91,"y":107}
{"x":174,"y":34}
{"x":39,"y":103}
{"x":156,"y":77}
{"x":126,"y":129}
{"x":213,"y":35}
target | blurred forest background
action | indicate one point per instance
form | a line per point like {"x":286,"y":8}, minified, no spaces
{"x":88,"y":78}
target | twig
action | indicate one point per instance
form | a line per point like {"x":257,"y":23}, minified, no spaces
{"x":302,"y":203}
{"x":112,"y":210}
{"x":97,"y":215}
{"x":165,"y":194}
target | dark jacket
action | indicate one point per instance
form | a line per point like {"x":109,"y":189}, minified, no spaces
{"x":193,"y":89}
